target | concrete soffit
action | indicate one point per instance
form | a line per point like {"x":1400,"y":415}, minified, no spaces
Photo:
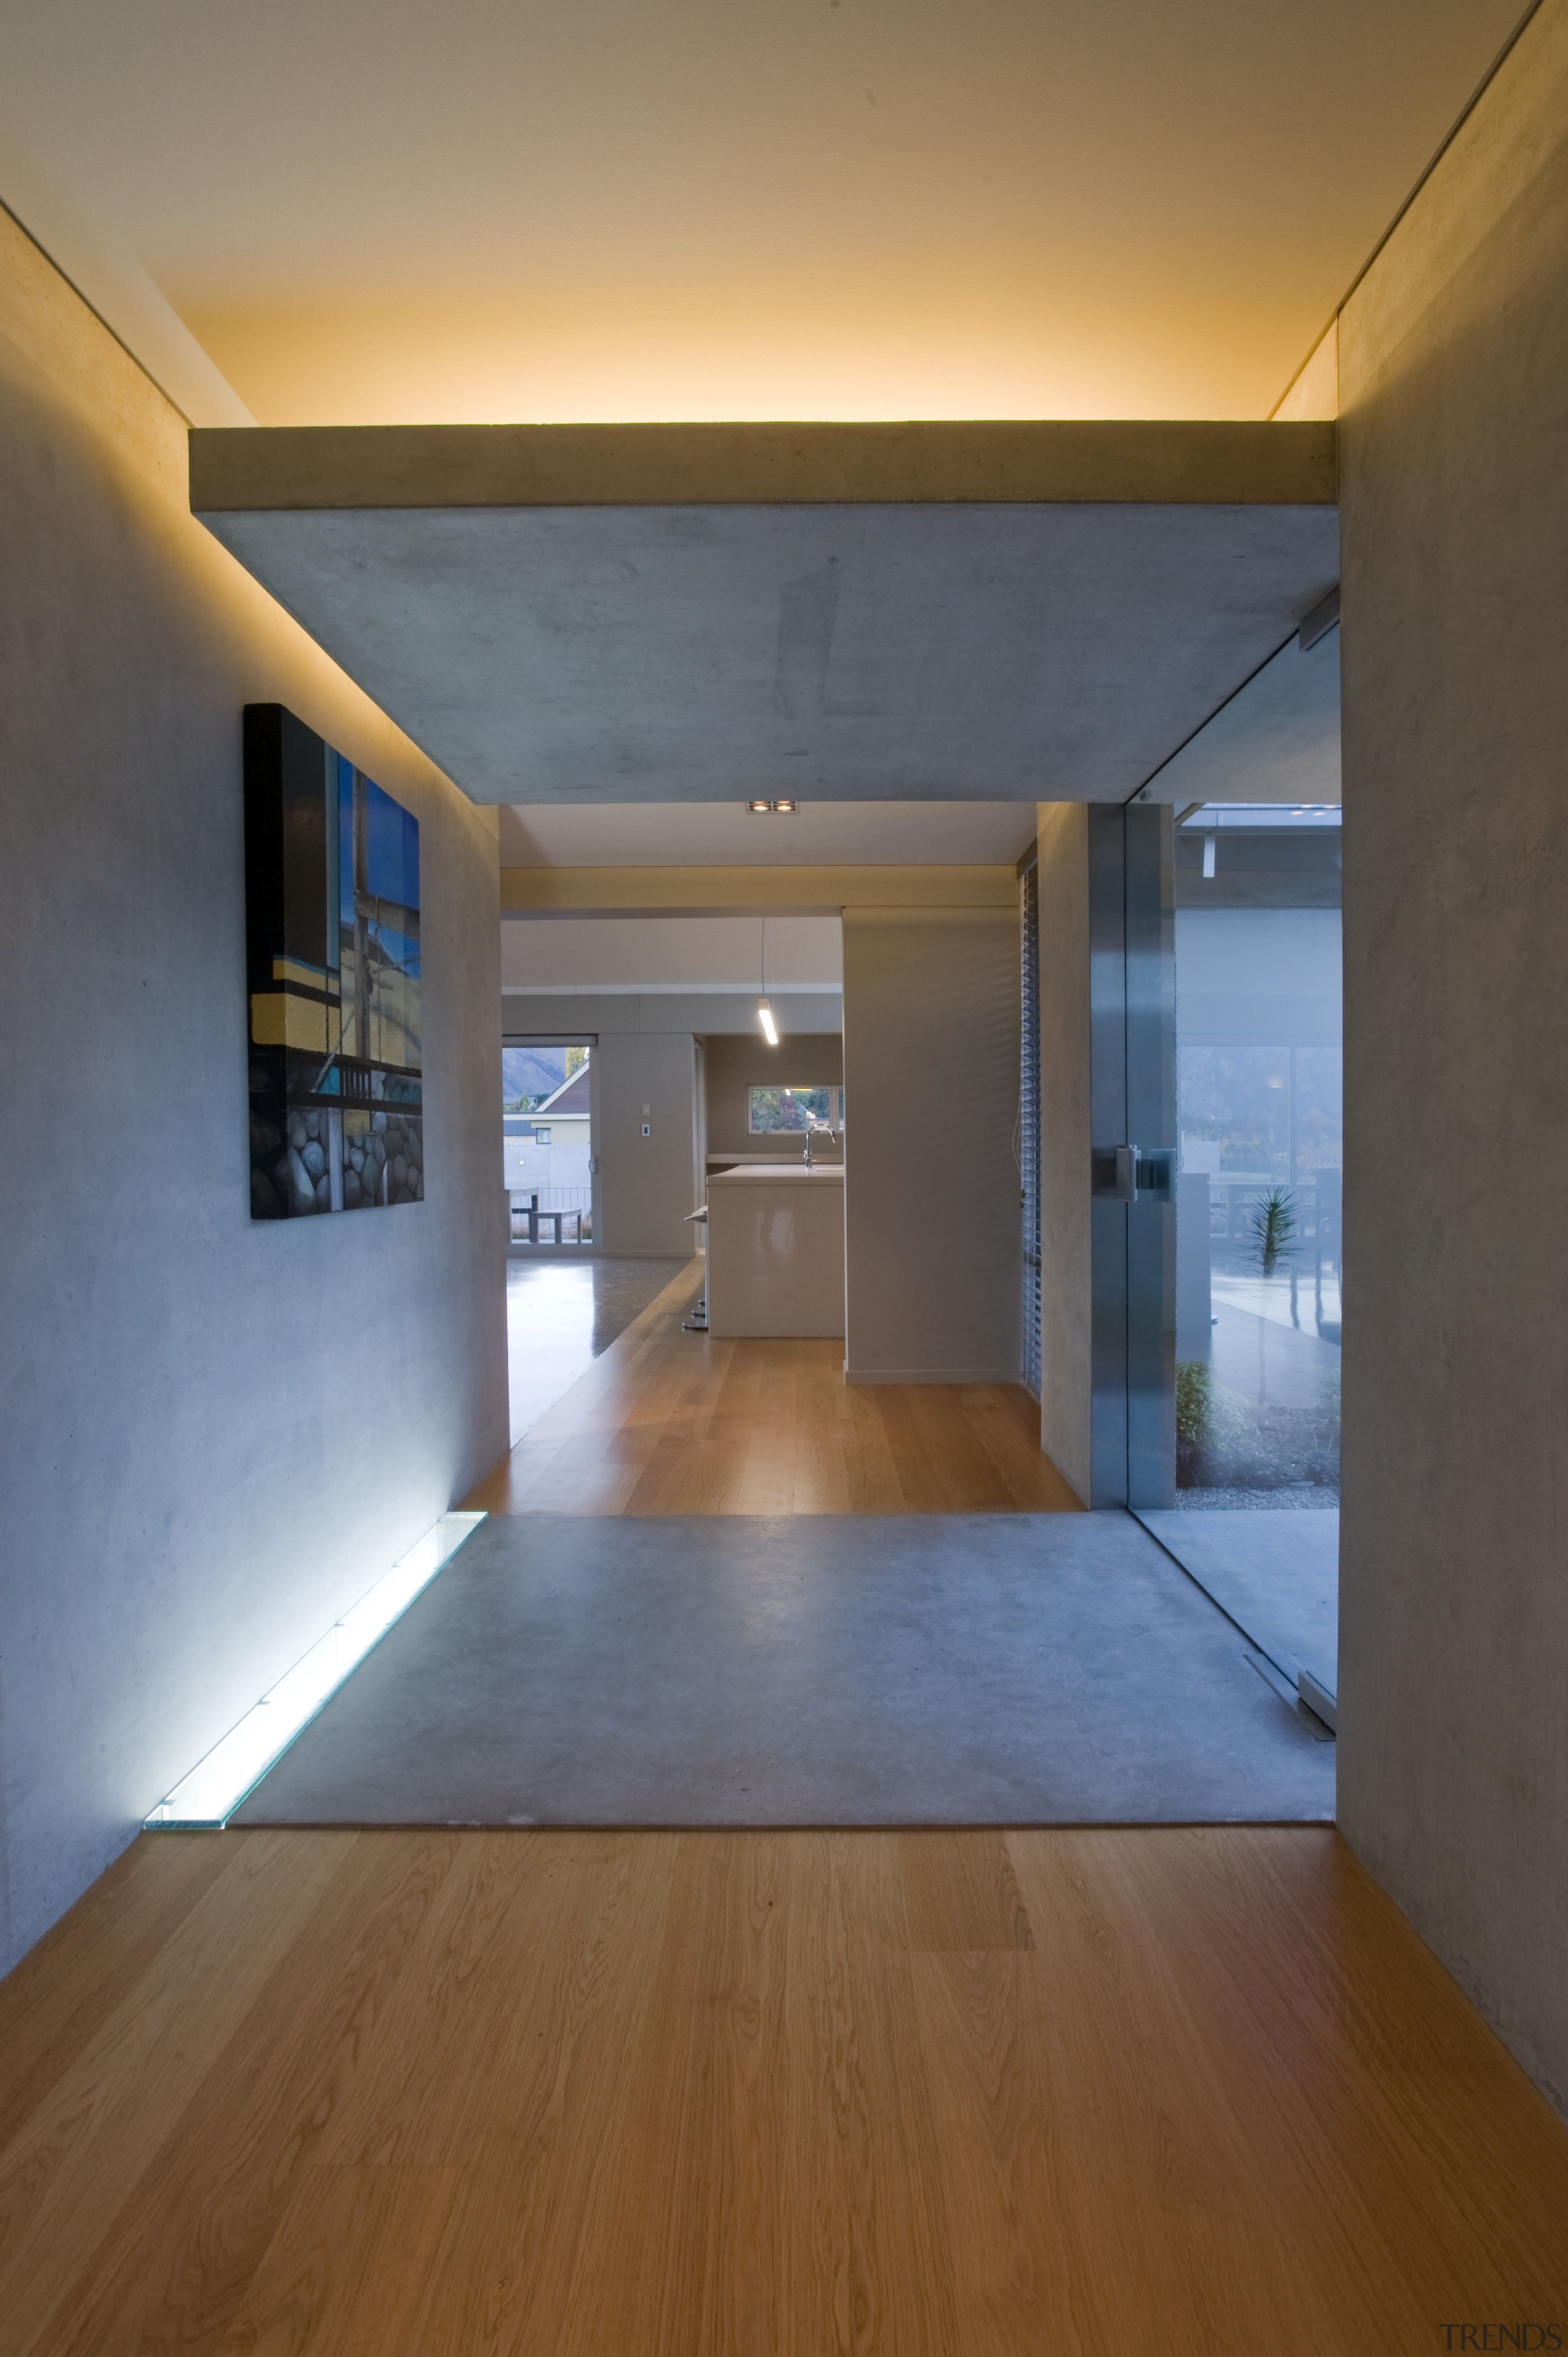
{"x":958,"y":611}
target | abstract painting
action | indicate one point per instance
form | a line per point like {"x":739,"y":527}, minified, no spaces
{"x":332,"y":958}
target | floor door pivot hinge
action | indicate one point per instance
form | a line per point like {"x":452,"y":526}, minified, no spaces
{"x":1274,"y":1677}
{"x":1317,"y":1698}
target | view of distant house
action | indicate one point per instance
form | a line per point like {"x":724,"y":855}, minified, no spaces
{"x":549,"y":1148}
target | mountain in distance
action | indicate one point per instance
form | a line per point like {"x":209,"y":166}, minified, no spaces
{"x":530,"y":1073}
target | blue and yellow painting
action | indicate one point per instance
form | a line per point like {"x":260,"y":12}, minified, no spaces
{"x":332,"y":955}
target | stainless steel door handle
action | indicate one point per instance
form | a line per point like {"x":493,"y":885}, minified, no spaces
{"x":1122,"y":1174}
{"x":1113,"y":1173}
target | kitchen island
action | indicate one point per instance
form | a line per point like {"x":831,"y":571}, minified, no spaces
{"x":776,"y":1250}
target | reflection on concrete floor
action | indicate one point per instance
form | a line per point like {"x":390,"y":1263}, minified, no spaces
{"x":560,"y":1315}
{"x":1277,"y":1574}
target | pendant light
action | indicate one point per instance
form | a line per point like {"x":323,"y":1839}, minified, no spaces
{"x":765,"y":1012}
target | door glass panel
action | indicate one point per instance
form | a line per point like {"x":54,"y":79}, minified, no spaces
{"x":1260,"y":1124}
{"x":1258,"y":1312}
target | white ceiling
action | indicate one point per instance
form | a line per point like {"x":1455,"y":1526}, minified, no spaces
{"x":388,"y":210}
{"x":725,"y":835}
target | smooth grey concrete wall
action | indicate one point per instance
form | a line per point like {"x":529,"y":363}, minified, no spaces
{"x":1065,"y":1261}
{"x":215,"y":1435}
{"x":932,"y":1241}
{"x":644,"y":1185}
{"x":740,"y":1063}
{"x":1453,"y":1613}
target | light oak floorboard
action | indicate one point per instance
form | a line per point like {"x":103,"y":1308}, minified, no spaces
{"x":232,"y":2165}
{"x":669,"y":1423}
{"x":542,"y":2094}
{"x":351,"y":2251}
{"x":61,"y":1994}
{"x":102,"y":2124}
{"x":961,"y":1892}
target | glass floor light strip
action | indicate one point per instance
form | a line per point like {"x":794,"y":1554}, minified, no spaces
{"x":207,"y":1797}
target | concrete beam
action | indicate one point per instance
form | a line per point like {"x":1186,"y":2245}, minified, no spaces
{"x":1155,"y":462}
{"x":945,"y":612}
{"x":711,"y":891}
{"x":589,"y":1015}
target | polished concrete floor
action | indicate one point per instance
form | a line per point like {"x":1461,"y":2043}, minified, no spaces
{"x":850,"y":1670}
{"x":561,"y":1314}
{"x":1277,"y":1574}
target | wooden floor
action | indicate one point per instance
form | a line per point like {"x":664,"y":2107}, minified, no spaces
{"x":667,"y":1423}
{"x":458,"y":2093}
{"x":423,"y":2095}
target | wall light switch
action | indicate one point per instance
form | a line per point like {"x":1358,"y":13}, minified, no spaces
{"x":647,"y":1129}
{"x":646,"y":1111}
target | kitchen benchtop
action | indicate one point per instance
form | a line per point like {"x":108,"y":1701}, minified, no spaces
{"x":750,"y":1161}
{"x":773,"y":1174}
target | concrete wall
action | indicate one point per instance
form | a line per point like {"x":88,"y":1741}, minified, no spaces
{"x":932,"y":1237}
{"x":738,"y":1064}
{"x":215,"y":1433}
{"x":1065,"y":1241}
{"x":646,"y":1185}
{"x":1453,"y":1627}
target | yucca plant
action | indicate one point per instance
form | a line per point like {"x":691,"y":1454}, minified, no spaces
{"x":1274,"y":1228}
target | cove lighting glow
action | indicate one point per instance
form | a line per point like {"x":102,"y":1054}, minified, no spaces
{"x":215,"y":1787}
